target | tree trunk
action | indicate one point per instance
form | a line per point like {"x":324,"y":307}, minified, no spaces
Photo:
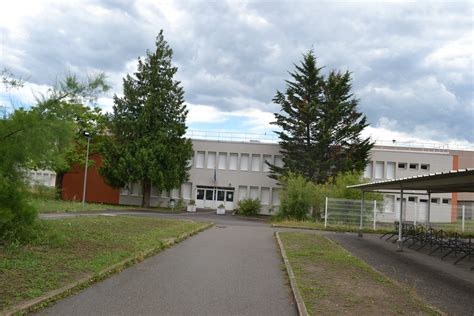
{"x":146,"y":193}
{"x":58,"y":184}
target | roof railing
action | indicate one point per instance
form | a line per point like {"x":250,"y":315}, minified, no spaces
{"x":272,"y":138}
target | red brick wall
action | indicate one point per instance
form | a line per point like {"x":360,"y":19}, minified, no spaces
{"x":97,"y":190}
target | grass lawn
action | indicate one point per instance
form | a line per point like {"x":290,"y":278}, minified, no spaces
{"x":333,"y":282}
{"x":77,"y":247}
{"x":45,"y":205}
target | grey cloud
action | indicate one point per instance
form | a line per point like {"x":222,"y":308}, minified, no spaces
{"x":231,"y":52}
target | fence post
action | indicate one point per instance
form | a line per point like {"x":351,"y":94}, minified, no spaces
{"x":416,"y":213}
{"x":326,"y":213}
{"x":375,"y":214}
{"x":463,"y":216}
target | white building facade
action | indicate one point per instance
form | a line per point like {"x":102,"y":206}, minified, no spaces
{"x":225,"y":172}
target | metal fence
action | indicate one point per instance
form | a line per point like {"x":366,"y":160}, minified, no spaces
{"x":383,"y":214}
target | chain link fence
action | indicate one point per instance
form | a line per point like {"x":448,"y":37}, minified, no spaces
{"x":383,"y":214}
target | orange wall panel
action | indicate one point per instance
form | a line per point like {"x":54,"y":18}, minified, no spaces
{"x":97,"y":190}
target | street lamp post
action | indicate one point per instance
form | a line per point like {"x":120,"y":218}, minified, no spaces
{"x":88,"y":135}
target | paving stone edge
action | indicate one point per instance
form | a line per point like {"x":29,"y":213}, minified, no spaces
{"x":302,"y":311}
{"x":73,"y":287}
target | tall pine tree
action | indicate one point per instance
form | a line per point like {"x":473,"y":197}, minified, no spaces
{"x":147,"y":143}
{"x":320,"y":124}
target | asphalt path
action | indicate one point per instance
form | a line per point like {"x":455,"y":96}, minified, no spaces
{"x":233,"y":268}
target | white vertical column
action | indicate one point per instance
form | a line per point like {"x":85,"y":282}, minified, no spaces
{"x":326,"y":213}
{"x":375,"y":214}
{"x":463,"y":217}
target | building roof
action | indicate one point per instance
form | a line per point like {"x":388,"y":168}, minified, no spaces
{"x":461,"y":180}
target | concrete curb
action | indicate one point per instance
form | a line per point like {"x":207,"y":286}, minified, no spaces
{"x":302,"y":311}
{"x":71,"y":288}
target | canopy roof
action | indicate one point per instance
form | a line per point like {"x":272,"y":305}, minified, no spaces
{"x":461,"y":180}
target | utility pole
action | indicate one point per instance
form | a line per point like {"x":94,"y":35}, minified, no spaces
{"x":88,"y":135}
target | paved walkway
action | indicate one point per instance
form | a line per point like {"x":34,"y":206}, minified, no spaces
{"x":440,"y":283}
{"x":232,"y":269}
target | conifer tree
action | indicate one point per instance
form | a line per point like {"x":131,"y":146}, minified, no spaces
{"x":147,"y":128}
{"x":320,"y":124}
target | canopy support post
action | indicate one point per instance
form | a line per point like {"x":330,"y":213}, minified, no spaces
{"x":428,"y":215}
{"x":400,"y":235}
{"x":361,"y":214}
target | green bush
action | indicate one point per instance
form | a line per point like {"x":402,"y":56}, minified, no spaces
{"x":249,"y":207}
{"x":17,"y":216}
{"x":296,"y":198}
{"x":43,"y":192}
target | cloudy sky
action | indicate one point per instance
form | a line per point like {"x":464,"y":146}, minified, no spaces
{"x":412,"y":62}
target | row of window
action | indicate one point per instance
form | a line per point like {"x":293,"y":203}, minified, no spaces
{"x":386,"y":170}
{"x":137,"y":190}
{"x":267,"y":196}
{"x":414,"y":166}
{"x":433,"y":200}
{"x":235,"y":161}
{"x":43,"y":178}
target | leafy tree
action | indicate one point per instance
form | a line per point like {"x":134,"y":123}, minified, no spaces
{"x":147,"y":127}
{"x":336,"y":187}
{"x":320,"y":124}
{"x":296,"y":197}
{"x":68,"y":101}
{"x":26,"y":138}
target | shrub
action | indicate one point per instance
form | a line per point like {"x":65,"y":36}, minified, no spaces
{"x":249,"y":207}
{"x":296,"y":198}
{"x":17,"y":216}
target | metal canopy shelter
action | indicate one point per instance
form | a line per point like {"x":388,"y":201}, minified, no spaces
{"x":461,"y":180}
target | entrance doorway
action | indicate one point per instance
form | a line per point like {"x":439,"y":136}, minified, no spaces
{"x":212,"y":197}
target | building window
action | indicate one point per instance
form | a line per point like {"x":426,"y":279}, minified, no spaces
{"x":254,"y":193}
{"x":255,"y":162}
{"x":279,"y":161}
{"x":390,"y":170}
{"x":187,"y":188}
{"x":379,"y":170}
{"x":136,"y":189}
{"x":423,"y":200}
{"x":446,"y":201}
{"x":368,"y":170}
{"x":154,"y":191}
{"x":266,"y":158}
{"x":233,"y":158}
{"x":211,"y":160}
{"x":265,"y":196}
{"x":244,"y":162}
{"x":220,"y":195}
{"x":200,"y":194}
{"x":412,"y":199}
{"x":402,"y":165}
{"x":242,"y":192}
{"x":222,"y":161}
{"x":414,"y":166}
{"x":435,"y":200}
{"x":425,"y":166}
{"x":200,"y":159}
{"x":175,"y":193}
{"x":165,"y":194}
{"x":275,"y":197}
